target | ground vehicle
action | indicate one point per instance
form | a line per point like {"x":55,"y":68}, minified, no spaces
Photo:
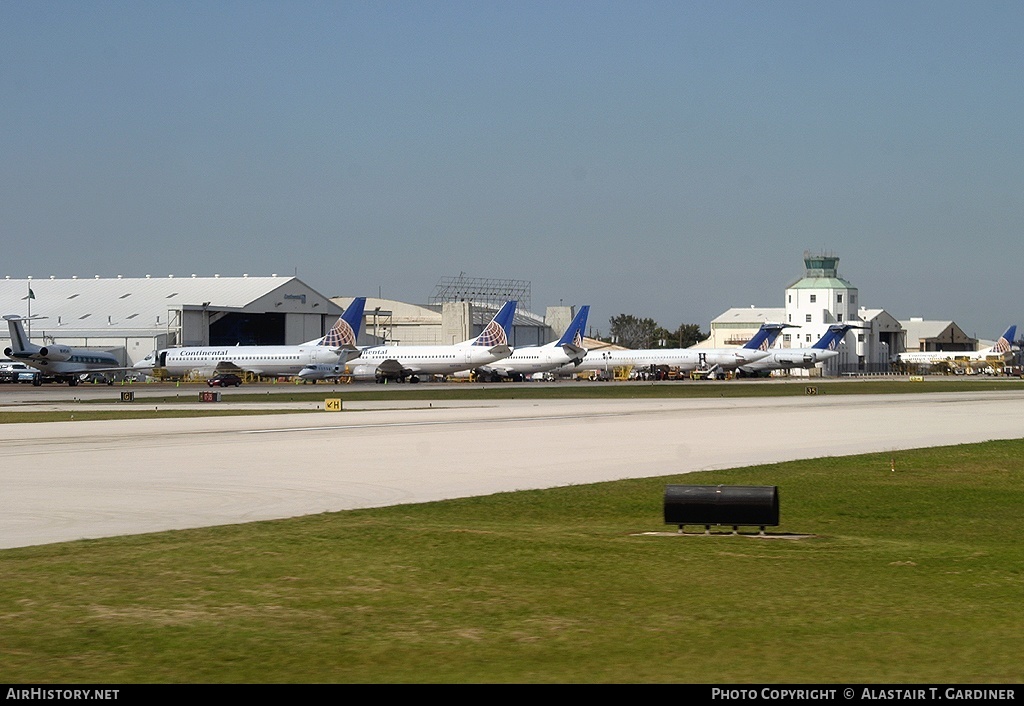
{"x":224,"y":380}
{"x":29,"y":376}
{"x":11,"y":371}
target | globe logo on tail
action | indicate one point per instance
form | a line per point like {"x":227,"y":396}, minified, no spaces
{"x":493,"y":335}
{"x":341,"y":334}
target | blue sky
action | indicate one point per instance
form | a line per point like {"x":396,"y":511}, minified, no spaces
{"x":665,"y":159}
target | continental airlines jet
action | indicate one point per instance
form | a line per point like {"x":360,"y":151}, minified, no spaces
{"x":527,"y":360}
{"x":999,"y":352}
{"x":382,"y":363}
{"x":711,"y":360}
{"x":338,"y":346}
{"x":785,"y":358}
{"x":64,"y":363}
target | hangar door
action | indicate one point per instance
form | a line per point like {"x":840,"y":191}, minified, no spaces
{"x":248,"y":330}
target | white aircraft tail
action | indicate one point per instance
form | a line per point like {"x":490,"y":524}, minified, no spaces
{"x":21,"y":346}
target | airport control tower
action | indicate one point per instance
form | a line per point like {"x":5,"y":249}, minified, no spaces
{"x":821,"y":297}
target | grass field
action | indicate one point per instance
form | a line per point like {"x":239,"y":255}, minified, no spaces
{"x":600,"y":390}
{"x":271,"y":394}
{"x":82,"y":415}
{"x":913,"y":575}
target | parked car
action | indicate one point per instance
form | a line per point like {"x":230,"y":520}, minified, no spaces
{"x":224,"y":380}
{"x":11,"y":371}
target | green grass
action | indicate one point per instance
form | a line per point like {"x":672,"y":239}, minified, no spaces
{"x":80,"y":415}
{"x":915,"y":576}
{"x":598,"y":390}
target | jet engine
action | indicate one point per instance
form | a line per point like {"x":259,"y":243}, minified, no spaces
{"x":53,"y":353}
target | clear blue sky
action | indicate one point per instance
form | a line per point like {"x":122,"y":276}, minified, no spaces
{"x":665,"y":159}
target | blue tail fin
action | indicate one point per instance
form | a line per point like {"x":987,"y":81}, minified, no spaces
{"x":832,"y":337}
{"x":1005,"y":342}
{"x":346,"y":329}
{"x":765,"y":337}
{"x":573,"y":335}
{"x":499,"y":331}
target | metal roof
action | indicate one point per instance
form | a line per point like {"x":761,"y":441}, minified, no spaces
{"x":821,"y":283}
{"x":752,"y":316}
{"x":141,"y":304}
{"x":921,"y":329}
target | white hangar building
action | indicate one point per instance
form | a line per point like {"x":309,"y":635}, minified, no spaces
{"x":133,"y":316}
{"x":446,"y":323}
{"x":812,"y":303}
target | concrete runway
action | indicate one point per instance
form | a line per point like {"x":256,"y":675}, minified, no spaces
{"x":73,"y":480}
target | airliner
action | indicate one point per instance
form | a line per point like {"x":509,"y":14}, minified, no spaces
{"x":383,"y":363}
{"x":711,"y":360}
{"x":337,"y":347}
{"x":64,"y":363}
{"x":999,"y":352}
{"x":527,"y":360}
{"x":785,"y":358}
{"x":322,"y":371}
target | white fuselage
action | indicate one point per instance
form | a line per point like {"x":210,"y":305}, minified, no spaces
{"x":75,"y":361}
{"x":532,"y":359}
{"x":426,"y":360}
{"x":686,"y":359}
{"x":784,"y":358}
{"x":925,"y":357}
{"x":262,"y":360}
{"x":321,"y":371}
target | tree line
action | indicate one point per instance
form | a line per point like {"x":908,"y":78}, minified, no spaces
{"x":633,"y":332}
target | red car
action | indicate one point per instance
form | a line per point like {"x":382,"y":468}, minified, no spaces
{"x":224,"y":380}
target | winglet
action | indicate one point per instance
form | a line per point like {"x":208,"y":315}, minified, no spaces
{"x":499,"y":331}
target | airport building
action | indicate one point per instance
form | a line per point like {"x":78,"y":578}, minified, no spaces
{"x":446,"y":323}
{"x":133,"y":316}
{"x":812,"y":303}
{"x":458,"y":309}
{"x":921,"y":335}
